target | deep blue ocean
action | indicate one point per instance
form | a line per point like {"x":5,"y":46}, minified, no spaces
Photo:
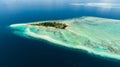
{"x":16,"y":51}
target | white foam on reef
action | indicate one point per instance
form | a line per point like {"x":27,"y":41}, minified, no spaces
{"x":15,"y":25}
{"x":94,"y":35}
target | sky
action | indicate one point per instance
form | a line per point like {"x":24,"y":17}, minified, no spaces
{"x":13,"y":3}
{"x":53,"y":1}
{"x":19,"y":4}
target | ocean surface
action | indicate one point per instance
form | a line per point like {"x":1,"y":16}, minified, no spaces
{"x":16,"y":51}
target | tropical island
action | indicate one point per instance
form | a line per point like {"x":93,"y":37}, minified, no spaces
{"x":51,"y":24}
{"x":98,"y":36}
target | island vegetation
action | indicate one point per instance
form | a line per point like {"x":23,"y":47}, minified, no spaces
{"x":51,"y":24}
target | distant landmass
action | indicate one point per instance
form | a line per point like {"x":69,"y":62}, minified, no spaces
{"x":98,"y":36}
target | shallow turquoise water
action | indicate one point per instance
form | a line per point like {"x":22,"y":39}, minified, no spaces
{"x":99,"y":36}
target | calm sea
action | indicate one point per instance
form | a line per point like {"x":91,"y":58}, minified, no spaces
{"x":17,"y":51}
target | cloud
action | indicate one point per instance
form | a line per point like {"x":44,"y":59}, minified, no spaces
{"x":101,"y":5}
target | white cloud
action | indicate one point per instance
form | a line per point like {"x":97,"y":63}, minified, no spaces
{"x":101,"y":5}
{"x":108,"y":1}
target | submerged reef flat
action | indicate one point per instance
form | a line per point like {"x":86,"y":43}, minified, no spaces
{"x":98,"y":36}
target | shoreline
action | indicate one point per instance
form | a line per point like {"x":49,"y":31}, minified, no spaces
{"x":79,"y":47}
